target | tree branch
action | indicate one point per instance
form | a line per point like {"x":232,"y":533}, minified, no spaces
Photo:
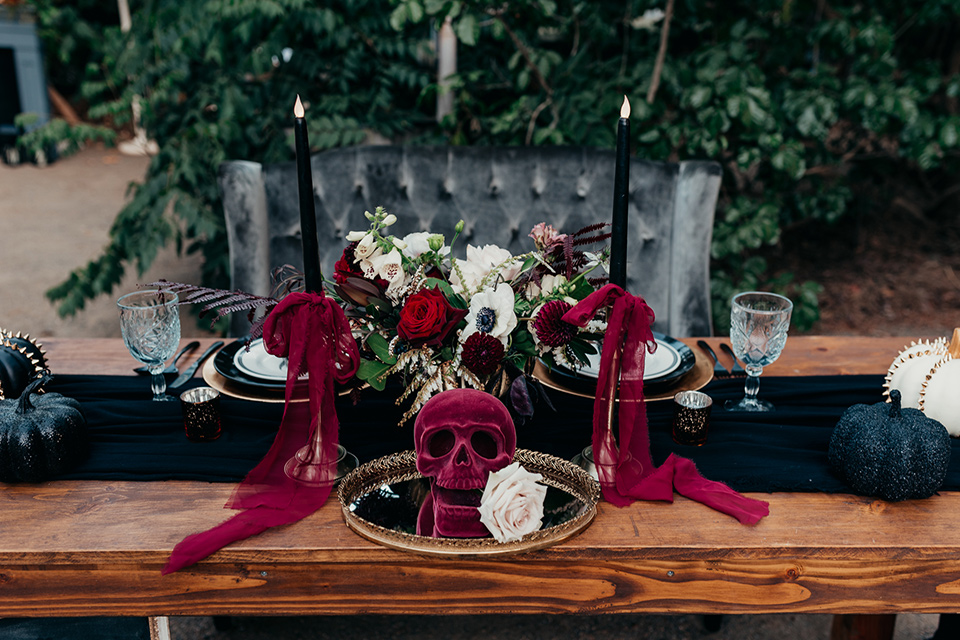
{"x":661,"y":54}
{"x":533,"y":119}
{"x":525,"y":52}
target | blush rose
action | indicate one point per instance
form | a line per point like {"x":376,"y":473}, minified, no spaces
{"x":512,"y":503}
{"x":428,"y":318}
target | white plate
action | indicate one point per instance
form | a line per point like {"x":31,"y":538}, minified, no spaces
{"x":665,"y":360}
{"x":257,"y":363}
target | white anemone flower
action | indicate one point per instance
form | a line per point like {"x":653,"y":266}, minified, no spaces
{"x":491,"y":312}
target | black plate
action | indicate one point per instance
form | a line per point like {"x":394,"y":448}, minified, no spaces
{"x":224,"y":364}
{"x":588,"y":384}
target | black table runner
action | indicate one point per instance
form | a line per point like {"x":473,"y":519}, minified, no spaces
{"x":134,"y":438}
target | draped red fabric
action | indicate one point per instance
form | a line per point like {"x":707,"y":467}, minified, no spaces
{"x":312,"y":332}
{"x":627,"y":472}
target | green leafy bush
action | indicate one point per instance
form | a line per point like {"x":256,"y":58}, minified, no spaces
{"x":806,"y":106}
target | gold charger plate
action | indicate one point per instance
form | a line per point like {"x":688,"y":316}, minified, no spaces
{"x":248,"y":392}
{"x":228,"y":387}
{"x":697,"y":378}
{"x":398,"y":467}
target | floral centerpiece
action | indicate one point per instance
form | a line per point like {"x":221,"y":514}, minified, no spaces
{"x":441,"y":322}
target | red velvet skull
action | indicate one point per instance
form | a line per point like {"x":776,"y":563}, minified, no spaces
{"x":460,"y":436}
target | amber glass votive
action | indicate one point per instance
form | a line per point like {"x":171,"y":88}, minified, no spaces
{"x":691,"y":417}
{"x":201,"y":414}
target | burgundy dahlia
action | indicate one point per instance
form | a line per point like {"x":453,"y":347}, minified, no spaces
{"x":482,"y":353}
{"x":551,"y":328}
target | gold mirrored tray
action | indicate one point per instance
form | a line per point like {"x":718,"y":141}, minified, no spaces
{"x":571,"y":506}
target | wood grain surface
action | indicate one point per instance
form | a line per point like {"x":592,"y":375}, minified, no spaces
{"x":84,"y":548}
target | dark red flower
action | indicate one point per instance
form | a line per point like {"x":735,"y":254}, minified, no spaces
{"x":482,"y":353}
{"x":551,"y":329}
{"x":428,"y":318}
{"x":345,"y":266}
{"x":352,"y":285}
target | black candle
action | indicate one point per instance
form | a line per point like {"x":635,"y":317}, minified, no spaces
{"x":313,"y":278}
{"x":621,"y":196}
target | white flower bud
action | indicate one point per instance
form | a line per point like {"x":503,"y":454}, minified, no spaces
{"x":389,"y":220}
{"x":353,"y":236}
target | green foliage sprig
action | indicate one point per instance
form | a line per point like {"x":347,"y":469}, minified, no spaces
{"x":807,"y":106}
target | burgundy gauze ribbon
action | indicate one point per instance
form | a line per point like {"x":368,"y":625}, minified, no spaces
{"x":627,"y":473}
{"x":312,"y":332}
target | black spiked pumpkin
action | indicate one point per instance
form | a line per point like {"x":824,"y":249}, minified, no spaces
{"x":40,"y":435}
{"x":893,"y":453}
{"x":22,"y":359}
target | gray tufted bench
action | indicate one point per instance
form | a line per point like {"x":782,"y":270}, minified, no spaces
{"x":501,"y":193}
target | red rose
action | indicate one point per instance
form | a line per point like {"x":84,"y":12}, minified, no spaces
{"x":428,"y":318}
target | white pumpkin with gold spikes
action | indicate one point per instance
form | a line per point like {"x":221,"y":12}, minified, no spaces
{"x":940,"y":391}
{"x":910,"y":369}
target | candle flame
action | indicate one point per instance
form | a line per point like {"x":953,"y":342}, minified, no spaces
{"x":298,"y":108}
{"x":625,"y":108}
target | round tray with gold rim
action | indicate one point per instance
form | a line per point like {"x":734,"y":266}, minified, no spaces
{"x":559,"y":474}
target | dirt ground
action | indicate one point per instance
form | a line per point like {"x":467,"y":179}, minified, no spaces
{"x":56,"y":219}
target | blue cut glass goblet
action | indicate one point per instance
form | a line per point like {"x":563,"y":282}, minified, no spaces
{"x":758,"y":332}
{"x":150,"y":324}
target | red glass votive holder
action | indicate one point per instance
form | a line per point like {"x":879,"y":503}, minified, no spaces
{"x":201,"y":414}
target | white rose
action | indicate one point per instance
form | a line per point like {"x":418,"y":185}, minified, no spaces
{"x":473,"y":275}
{"x":512,"y":503}
{"x":478,"y":265}
{"x":490,"y":256}
{"x":419,"y":243}
{"x":416,"y":244}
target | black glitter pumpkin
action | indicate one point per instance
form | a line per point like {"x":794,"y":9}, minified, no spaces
{"x":40,"y":435}
{"x":886,"y":451}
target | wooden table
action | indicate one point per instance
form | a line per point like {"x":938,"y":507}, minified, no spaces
{"x":85,"y":548}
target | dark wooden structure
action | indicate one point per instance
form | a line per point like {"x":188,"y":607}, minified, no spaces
{"x":96,"y":548}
